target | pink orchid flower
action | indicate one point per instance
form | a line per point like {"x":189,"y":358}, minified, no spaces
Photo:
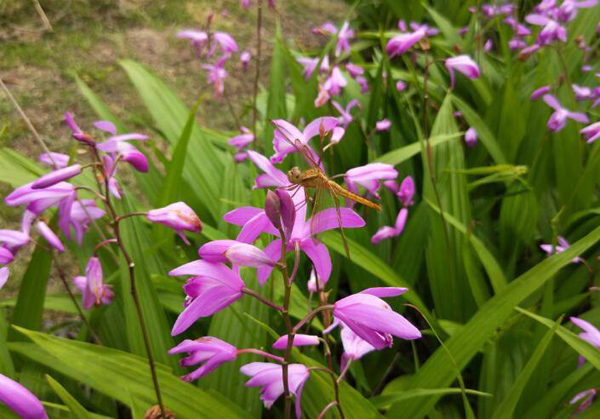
{"x":20,"y":400}
{"x":95,"y":292}
{"x":212,"y":288}
{"x":208,"y":351}
{"x":368,"y":176}
{"x":463,"y":64}
{"x":178,"y":216}
{"x":270,"y":377}
{"x":558,"y":119}
{"x":345,"y":116}
{"x":387,"y":232}
{"x":591,"y":132}
{"x":56,"y":160}
{"x":399,"y":44}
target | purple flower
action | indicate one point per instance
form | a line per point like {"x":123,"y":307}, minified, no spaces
{"x":345,"y":116}
{"x":588,"y":395}
{"x":4,"y":273}
{"x":567,"y":11}
{"x":50,"y":236}
{"x":286,"y":132}
{"x":56,"y":160}
{"x":335,"y":83}
{"x":244,"y":254}
{"x":95,"y":292}
{"x":400,"y":86}
{"x":57,"y":176}
{"x":310,"y":64}
{"x":383,"y":125}
{"x":245,"y":58}
{"x":118,"y":146}
{"x":399,"y":44}
{"x":463,"y":64}
{"x":406,"y":192}
{"x":212,"y":288}
{"x":199,"y":39}
{"x":270,"y":378}
{"x":526,"y":52}
{"x":372,"y":319}
{"x":241,"y":141}
{"x":38,"y":200}
{"x":325,"y":29}
{"x":106,"y":126}
{"x":208,"y":351}
{"x":590,"y":334}
{"x":77,"y":214}
{"x":299,"y":340}
{"x":516,"y":43}
{"x":487,"y":47}
{"x":563,"y":245}
{"x":20,"y":400}
{"x":552,"y":31}
{"x":354,"y":70}
{"x":471,"y":137}
{"x":6,"y":256}
{"x":591,"y":132}
{"x":354,"y":346}
{"x":78,"y":134}
{"x":177,"y":216}
{"x":343,"y":41}
{"x":558,"y":119}
{"x":217,"y":75}
{"x":540,"y":92}
{"x":281,"y":210}
{"x":387,"y":232}
{"x":368,"y":177}
{"x":364,"y":86}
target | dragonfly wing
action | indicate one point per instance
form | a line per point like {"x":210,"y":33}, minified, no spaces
{"x":316,"y":214}
{"x":339,"y":220}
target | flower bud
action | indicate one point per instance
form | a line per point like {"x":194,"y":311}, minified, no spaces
{"x":273,"y":209}
{"x":299,"y":340}
{"x":50,"y":236}
{"x":214,"y":251}
{"x":177,"y":216}
{"x":407,"y":191}
{"x":471,"y":137}
{"x":56,"y":176}
{"x":243,"y":254}
{"x":288,"y":210}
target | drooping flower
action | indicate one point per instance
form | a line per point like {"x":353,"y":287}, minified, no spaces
{"x":217,"y":75}
{"x":56,"y":160}
{"x":345,"y":116}
{"x":118,"y":147}
{"x":212,"y":288}
{"x":178,"y":216}
{"x":240,"y":142}
{"x":463,"y":64}
{"x":77,"y":214}
{"x":208,"y":351}
{"x":387,"y":232}
{"x":368,"y":176}
{"x":4,"y":273}
{"x":199,"y":39}
{"x":95,"y":292}
{"x":591,"y":132}
{"x":399,"y":44}
{"x":540,"y":92}
{"x":558,"y":119}
{"x":471,"y":137}
{"x":383,"y":125}
{"x":563,"y":245}
{"x":299,"y":340}
{"x":270,"y":378}
{"x":335,"y":83}
{"x":39,"y":200}
{"x":354,"y":70}
{"x":590,"y":334}
{"x":245,"y":58}
{"x":225,"y":41}
{"x":20,"y":400}
{"x":50,"y":236}
{"x":406,"y":192}
{"x":372,"y":319}
{"x":552,"y":31}
{"x":354,"y":346}
{"x":587,"y":395}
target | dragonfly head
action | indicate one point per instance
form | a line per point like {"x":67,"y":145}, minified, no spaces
{"x":294,"y":175}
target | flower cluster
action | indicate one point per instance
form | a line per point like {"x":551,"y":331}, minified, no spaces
{"x":214,"y":282}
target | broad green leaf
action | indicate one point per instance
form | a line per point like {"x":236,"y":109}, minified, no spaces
{"x":74,"y":406}
{"x":403,"y":154}
{"x":121,"y":375}
{"x":437,"y":371}
{"x":385,"y":400}
{"x":506,"y":408}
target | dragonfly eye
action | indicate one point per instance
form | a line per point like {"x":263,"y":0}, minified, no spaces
{"x":293,"y":174}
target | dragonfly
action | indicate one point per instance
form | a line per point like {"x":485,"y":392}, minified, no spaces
{"x":316,"y":178}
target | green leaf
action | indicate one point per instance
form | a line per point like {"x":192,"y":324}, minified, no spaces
{"x":385,"y":400}
{"x":32,"y":292}
{"x":121,"y":376}
{"x":438,"y":372}
{"x":76,"y":409}
{"x":506,"y":408}
{"x":402,"y":154}
{"x":203,"y":168}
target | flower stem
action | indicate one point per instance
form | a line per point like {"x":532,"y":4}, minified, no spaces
{"x":329,"y":406}
{"x":291,"y":331}
{"x":133,"y":287}
{"x":261,"y":353}
{"x":263,"y":300}
{"x":310,"y":315}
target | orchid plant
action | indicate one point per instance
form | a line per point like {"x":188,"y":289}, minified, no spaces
{"x":204,"y":275}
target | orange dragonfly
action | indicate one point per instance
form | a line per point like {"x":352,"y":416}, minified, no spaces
{"x":315,"y":178}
